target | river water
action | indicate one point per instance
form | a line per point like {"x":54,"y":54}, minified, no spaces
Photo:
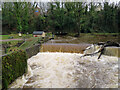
{"x":63,"y":69}
{"x":68,"y":70}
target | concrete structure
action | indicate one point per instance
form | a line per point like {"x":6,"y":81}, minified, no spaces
{"x":112,"y":51}
{"x":109,"y":51}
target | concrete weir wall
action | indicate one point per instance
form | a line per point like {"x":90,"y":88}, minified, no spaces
{"x":77,"y":48}
{"x":112,"y":51}
{"x":32,"y":50}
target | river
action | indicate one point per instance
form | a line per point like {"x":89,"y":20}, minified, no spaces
{"x":67,"y":70}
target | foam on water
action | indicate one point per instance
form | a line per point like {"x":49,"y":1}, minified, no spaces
{"x":68,"y":70}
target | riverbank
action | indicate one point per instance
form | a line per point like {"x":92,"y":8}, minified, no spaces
{"x":90,"y":38}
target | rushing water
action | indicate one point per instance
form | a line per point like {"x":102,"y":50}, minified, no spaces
{"x":68,"y":70}
{"x":64,"y":47}
{"x":59,"y":65}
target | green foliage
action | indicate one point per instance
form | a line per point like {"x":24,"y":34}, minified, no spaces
{"x":12,"y":49}
{"x":71,"y":17}
{"x":17,"y":16}
{"x":13,"y":66}
{"x":15,"y":36}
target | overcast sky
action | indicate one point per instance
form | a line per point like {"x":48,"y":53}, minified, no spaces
{"x":110,"y":1}
{"x":61,"y":0}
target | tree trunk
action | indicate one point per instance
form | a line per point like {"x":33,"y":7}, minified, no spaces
{"x":101,"y":51}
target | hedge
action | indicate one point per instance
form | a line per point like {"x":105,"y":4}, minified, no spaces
{"x":13,"y":66}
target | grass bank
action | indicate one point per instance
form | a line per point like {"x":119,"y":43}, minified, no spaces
{"x":88,"y":38}
{"x":15,"y":36}
{"x":29,"y":43}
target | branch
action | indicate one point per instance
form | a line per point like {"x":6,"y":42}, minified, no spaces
{"x":91,"y":54}
{"x":101,"y":51}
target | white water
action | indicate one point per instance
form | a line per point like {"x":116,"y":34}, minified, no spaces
{"x":68,"y":70}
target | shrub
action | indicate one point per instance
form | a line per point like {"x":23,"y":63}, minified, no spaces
{"x":12,"y":49}
{"x":13,"y":66}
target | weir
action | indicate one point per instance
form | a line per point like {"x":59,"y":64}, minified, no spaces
{"x":64,"y":47}
{"x":59,"y":65}
{"x":77,"y":48}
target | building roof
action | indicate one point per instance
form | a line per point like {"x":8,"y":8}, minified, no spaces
{"x":38,"y":32}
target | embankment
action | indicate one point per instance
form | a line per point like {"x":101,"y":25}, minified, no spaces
{"x":14,"y":64}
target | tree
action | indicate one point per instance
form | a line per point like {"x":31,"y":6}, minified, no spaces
{"x":18,"y":7}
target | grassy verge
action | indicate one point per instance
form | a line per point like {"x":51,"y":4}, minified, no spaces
{"x":106,"y":33}
{"x":29,"y":43}
{"x":72,"y":34}
{"x":15,"y":36}
{"x":89,"y":38}
{"x":12,"y":43}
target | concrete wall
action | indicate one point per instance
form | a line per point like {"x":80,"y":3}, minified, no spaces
{"x":33,"y":50}
{"x":109,"y":51}
{"x":112,"y":51}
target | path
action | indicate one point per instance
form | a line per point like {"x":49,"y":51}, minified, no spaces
{"x":9,"y":40}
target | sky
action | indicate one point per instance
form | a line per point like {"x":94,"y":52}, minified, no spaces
{"x":110,"y":1}
{"x":61,"y":0}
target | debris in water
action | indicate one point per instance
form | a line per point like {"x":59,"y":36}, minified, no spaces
{"x":99,"y":48}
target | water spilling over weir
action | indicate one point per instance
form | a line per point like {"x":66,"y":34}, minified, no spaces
{"x":60,"y":66}
{"x":64,"y":47}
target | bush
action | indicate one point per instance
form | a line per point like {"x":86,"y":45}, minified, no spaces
{"x":12,"y":49}
{"x":13,"y":66}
